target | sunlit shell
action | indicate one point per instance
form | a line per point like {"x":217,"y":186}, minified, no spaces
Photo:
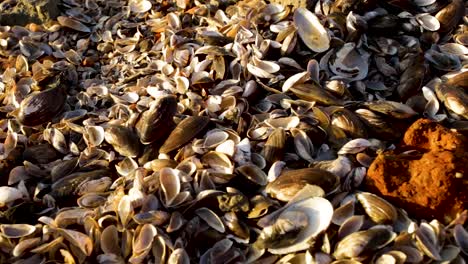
{"x":123,"y":140}
{"x":428,"y":22}
{"x":306,"y":219}
{"x":290,"y":182}
{"x":379,"y":210}
{"x":357,"y":243}
{"x":17,"y":230}
{"x":78,"y":239}
{"x":9,"y":194}
{"x":140,"y":6}
{"x":211,"y":219}
{"x":311,"y":31}
{"x":184,"y":132}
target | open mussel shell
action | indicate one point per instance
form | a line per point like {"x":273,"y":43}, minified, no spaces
{"x":349,"y":122}
{"x":253,"y":173}
{"x":289,"y":183}
{"x":155,"y":122}
{"x":184,"y":132}
{"x":292,"y":227}
{"x":40,"y":107}
{"x":16,"y":230}
{"x":123,"y":139}
{"x":274,"y":147}
{"x":379,"y":210}
{"x":311,"y":31}
{"x":455,"y":98}
{"x":363,"y":242}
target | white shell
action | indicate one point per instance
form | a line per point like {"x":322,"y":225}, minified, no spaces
{"x":428,"y":22}
{"x":311,"y":31}
{"x":319,"y":212}
{"x":140,"y":6}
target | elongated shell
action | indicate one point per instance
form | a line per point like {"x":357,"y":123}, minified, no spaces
{"x":274,"y":147}
{"x":379,"y":210}
{"x":155,"y":122}
{"x":450,"y":15}
{"x":286,"y":186}
{"x":40,"y":107}
{"x":311,"y":31}
{"x":184,"y":132}
{"x":313,"y":92}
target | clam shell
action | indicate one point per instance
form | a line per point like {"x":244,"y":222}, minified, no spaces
{"x":311,"y":31}
{"x":78,"y":239}
{"x":9,"y":194}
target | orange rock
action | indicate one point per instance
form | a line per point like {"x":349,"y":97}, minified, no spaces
{"x":431,"y":181}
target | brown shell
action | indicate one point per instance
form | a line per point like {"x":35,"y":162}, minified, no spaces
{"x":274,"y":147}
{"x":184,"y":132}
{"x":155,"y":122}
{"x":40,"y":107}
{"x":291,"y":182}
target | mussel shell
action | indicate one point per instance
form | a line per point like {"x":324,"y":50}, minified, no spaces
{"x":69,"y":185}
{"x":460,"y":79}
{"x":40,"y":107}
{"x":289,"y":183}
{"x":184,"y":132}
{"x":123,"y":139}
{"x":362,"y":242}
{"x":454,"y":98}
{"x":311,"y":31}
{"x":349,"y":122}
{"x":274,"y":147}
{"x":378,"y":209}
{"x":450,"y":15}
{"x":383,"y":25}
{"x":155,"y":122}
{"x":40,"y":154}
{"x":412,"y":78}
{"x":313,"y":92}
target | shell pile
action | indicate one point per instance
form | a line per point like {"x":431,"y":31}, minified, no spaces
{"x":151,"y":131}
